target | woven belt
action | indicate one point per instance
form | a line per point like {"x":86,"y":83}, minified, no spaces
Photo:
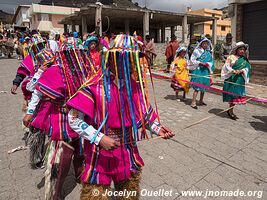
{"x":117,"y":134}
{"x":55,"y":102}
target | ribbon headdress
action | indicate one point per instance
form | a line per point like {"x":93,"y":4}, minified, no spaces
{"x":123,"y":62}
{"x":36,"y":46}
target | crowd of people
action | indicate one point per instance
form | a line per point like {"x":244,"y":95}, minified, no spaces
{"x":6,"y":43}
{"x":87,"y":97}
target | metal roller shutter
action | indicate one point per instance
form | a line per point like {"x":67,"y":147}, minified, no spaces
{"x":255,"y":29}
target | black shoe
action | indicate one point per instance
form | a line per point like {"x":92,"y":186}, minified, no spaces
{"x":236,"y":116}
{"x":25,"y":136}
{"x":232,"y":116}
{"x":203,"y":104}
{"x":195,"y":107}
{"x":39,"y":165}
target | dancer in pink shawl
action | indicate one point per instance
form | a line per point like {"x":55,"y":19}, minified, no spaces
{"x":36,"y":138}
{"x":56,"y":85}
{"x":28,"y":66}
{"x":107,"y":112}
{"x":27,"y":69}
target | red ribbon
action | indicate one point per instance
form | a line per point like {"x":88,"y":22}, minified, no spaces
{"x":212,"y":88}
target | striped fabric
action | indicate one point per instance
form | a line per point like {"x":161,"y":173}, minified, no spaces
{"x":26,"y":67}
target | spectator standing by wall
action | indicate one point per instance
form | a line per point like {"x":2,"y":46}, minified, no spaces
{"x":150,"y":49}
{"x":171,"y":51}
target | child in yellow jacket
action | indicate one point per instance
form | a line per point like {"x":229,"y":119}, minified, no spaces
{"x":180,"y":79}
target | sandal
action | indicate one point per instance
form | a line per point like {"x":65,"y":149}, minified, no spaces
{"x":195,"y":107}
{"x":232,"y":116}
{"x":202,"y":104}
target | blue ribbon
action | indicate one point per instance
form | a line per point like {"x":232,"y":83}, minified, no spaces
{"x":127,"y":74}
{"x":106,"y":87}
{"x":100,"y":127}
{"x":81,"y":146}
{"x":121,"y":97}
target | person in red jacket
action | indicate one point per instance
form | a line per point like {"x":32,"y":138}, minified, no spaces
{"x":171,"y":51}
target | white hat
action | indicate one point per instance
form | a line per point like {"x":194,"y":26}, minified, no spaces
{"x":204,"y":40}
{"x":180,"y":49}
{"x":237,"y":46}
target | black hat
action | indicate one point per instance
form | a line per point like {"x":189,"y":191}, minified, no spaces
{"x":229,"y":35}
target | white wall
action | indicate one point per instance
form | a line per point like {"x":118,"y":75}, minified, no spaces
{"x":22,"y":16}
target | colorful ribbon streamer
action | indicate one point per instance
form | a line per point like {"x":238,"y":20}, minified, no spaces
{"x":213,"y":89}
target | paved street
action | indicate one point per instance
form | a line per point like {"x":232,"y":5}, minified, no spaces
{"x":216,"y":155}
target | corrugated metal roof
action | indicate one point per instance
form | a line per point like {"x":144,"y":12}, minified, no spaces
{"x":82,"y":3}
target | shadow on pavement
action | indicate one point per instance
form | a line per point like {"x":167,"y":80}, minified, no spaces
{"x":170,"y":97}
{"x":173,"y":97}
{"x":68,"y":185}
{"x":260,"y":126}
{"x":216,"y":111}
{"x":41,"y":184}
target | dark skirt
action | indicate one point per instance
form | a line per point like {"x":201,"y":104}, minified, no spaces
{"x":175,"y":86}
